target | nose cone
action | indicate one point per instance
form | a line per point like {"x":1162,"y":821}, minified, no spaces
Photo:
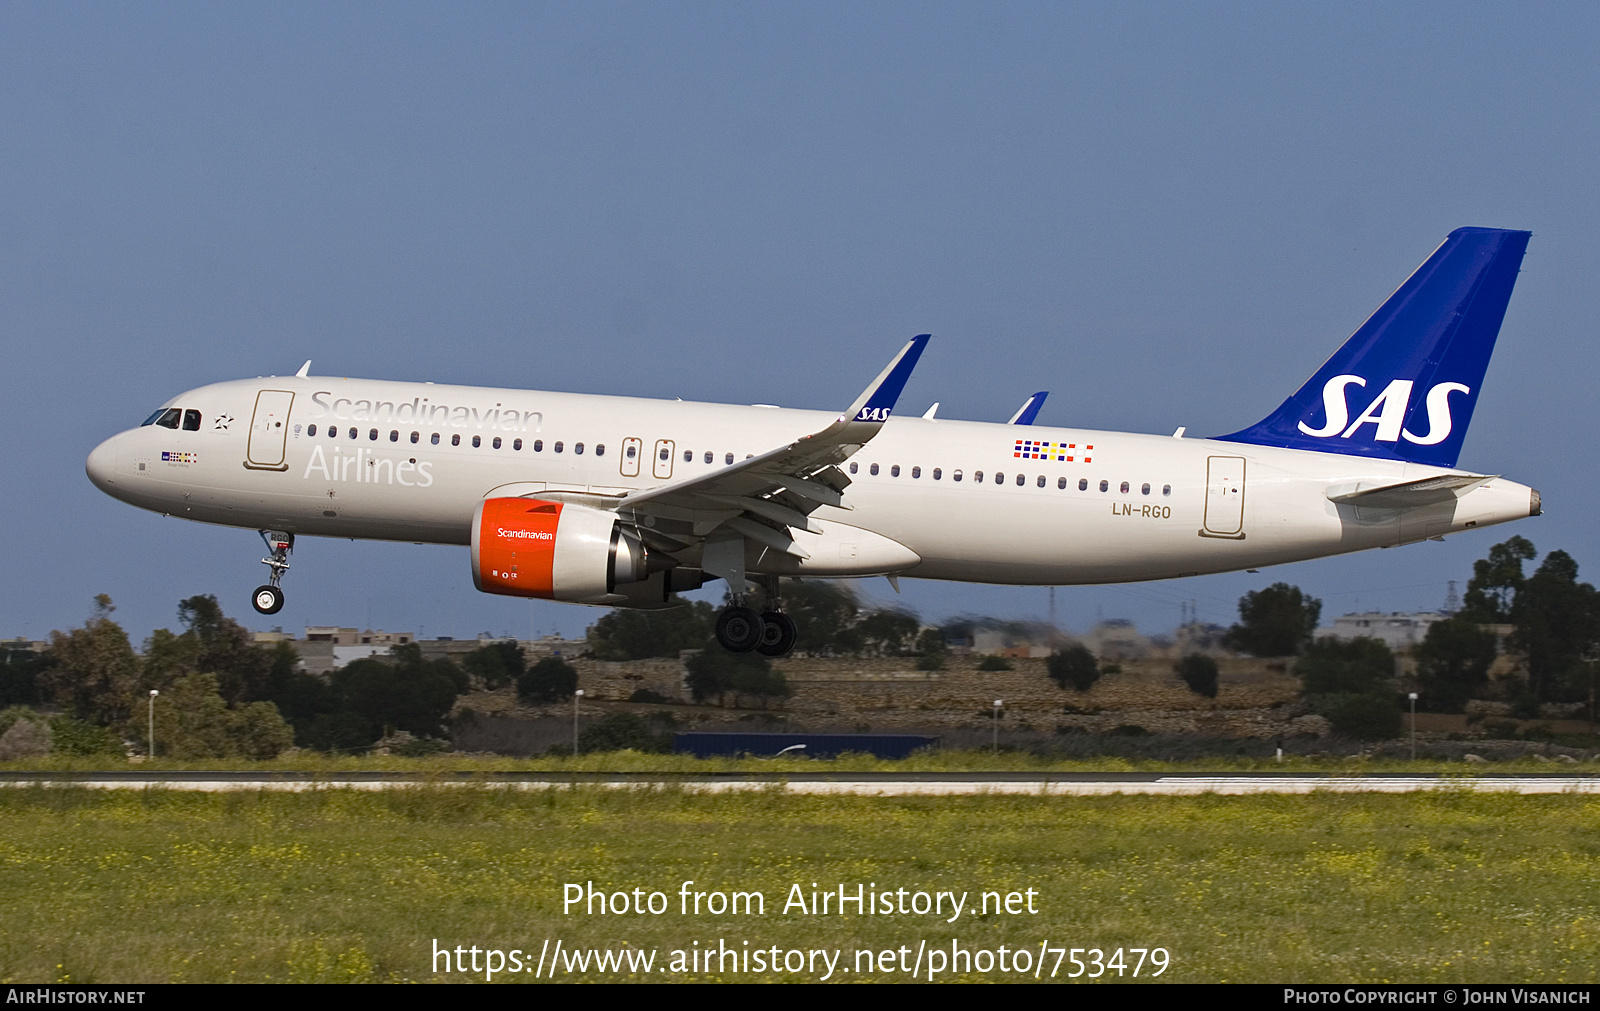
{"x":102,"y":466}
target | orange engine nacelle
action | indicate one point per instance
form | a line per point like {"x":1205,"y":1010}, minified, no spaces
{"x":526,"y":547}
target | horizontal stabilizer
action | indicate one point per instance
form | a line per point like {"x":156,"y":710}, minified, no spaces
{"x":1409,"y":494}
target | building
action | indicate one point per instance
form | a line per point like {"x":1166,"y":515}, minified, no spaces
{"x":1399,"y":630}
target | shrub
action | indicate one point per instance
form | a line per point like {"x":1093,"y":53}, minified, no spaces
{"x":1073,"y":666}
{"x":1366,"y":717}
{"x":621,"y":731}
{"x":646,"y":695}
{"x":1199,"y":672}
{"x":25,"y":738}
{"x":994,"y":663}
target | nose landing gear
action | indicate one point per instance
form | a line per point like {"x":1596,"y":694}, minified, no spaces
{"x":268,"y":598}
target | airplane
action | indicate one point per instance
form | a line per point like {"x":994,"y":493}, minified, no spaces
{"x":623,"y":502}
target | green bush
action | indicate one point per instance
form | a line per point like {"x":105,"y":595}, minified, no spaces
{"x":1073,"y":666}
{"x":1366,"y":717}
{"x":994,"y":663}
{"x":1199,"y":672}
{"x":620,"y":731}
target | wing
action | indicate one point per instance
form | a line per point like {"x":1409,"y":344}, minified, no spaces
{"x":767,"y":496}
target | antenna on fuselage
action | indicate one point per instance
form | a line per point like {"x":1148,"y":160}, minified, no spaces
{"x":305,"y":370}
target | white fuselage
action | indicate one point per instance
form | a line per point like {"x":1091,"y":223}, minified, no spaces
{"x":929,"y":498}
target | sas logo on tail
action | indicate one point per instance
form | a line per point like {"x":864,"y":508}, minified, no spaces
{"x":874,"y":414}
{"x":1387,"y":412}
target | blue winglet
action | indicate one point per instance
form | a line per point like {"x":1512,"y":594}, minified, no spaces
{"x":1030,"y":410}
{"x":1403,"y":387}
{"x":877,"y":402}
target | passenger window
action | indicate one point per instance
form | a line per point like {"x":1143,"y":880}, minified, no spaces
{"x":631,"y":451}
{"x":688,"y":456}
{"x":854,"y":467}
{"x":416,"y":437}
{"x":1041,"y":480}
{"x":1061,"y":483}
{"x":977,"y":476}
{"x":708,"y":456}
{"x":557,"y":447}
{"x":372,"y":434}
{"x":916,"y":472}
{"x":873,"y":470}
{"x":516,"y":444}
{"x":729,"y":460}
{"x":1166,"y":489}
{"x":434,"y":438}
{"x":538,"y":445}
{"x":999,"y":478}
{"x":600,"y":449}
{"x":394,"y":436}
{"x":311,"y":430}
{"x":1144,"y":489}
{"x":1124,"y":487}
{"x":496,"y":443}
{"x":937,"y":473}
{"x":191,"y":421}
{"x":333,"y":431}
{"x":665,"y":452}
{"x":477,"y":441}
{"x":1083,"y":484}
{"x":956,"y":476}
{"x":1104,"y":485}
{"x":455,"y":440}
{"x":577,"y":448}
{"x":354,"y":434}
{"x":894,"y":471}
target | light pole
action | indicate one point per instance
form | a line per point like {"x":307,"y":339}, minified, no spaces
{"x":152,"y":734}
{"x":1413,"y":697}
{"x":576,"y":697}
{"x":995,"y":747}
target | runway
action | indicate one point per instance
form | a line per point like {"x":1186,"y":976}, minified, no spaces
{"x":886,"y":784}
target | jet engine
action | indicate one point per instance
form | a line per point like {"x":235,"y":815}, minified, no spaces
{"x":526,"y":547}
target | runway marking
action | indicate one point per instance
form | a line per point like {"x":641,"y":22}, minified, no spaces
{"x":880,"y":784}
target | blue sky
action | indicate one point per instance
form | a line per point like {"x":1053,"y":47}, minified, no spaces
{"x":1164,"y":214}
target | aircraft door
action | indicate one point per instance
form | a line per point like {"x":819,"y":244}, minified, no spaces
{"x":631,"y":449}
{"x":269,"y":431}
{"x":663,"y":459}
{"x":1224,"y":498}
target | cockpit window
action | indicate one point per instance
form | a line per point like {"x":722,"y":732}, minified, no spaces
{"x":191,"y":421}
{"x":168,"y":418}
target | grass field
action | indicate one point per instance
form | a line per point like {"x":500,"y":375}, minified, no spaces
{"x":125,"y":886}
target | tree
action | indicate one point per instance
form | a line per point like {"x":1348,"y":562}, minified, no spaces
{"x":931,"y":649}
{"x":1199,"y":672}
{"x":1277,"y":621}
{"x":1558,"y":623}
{"x":21,"y":672}
{"x":825,"y":615}
{"x":496,"y":664}
{"x":408,"y":693}
{"x":550,"y":680}
{"x":194,"y":721}
{"x":715,"y":671}
{"x":628,"y":634}
{"x":1075,"y":666}
{"x":887,"y":632}
{"x":1351,"y":683}
{"x":1453,"y":662}
{"x":1492,"y":590}
{"x":94,"y":672}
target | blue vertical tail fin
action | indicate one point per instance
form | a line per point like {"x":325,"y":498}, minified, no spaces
{"x":1403,"y":387}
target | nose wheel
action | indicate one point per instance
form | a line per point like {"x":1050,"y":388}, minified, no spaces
{"x":268,"y":598}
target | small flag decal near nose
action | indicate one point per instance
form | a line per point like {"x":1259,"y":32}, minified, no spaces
{"x":1063,"y":452}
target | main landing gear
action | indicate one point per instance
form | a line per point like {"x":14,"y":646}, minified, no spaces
{"x":268,"y":598}
{"x":770,"y":633}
